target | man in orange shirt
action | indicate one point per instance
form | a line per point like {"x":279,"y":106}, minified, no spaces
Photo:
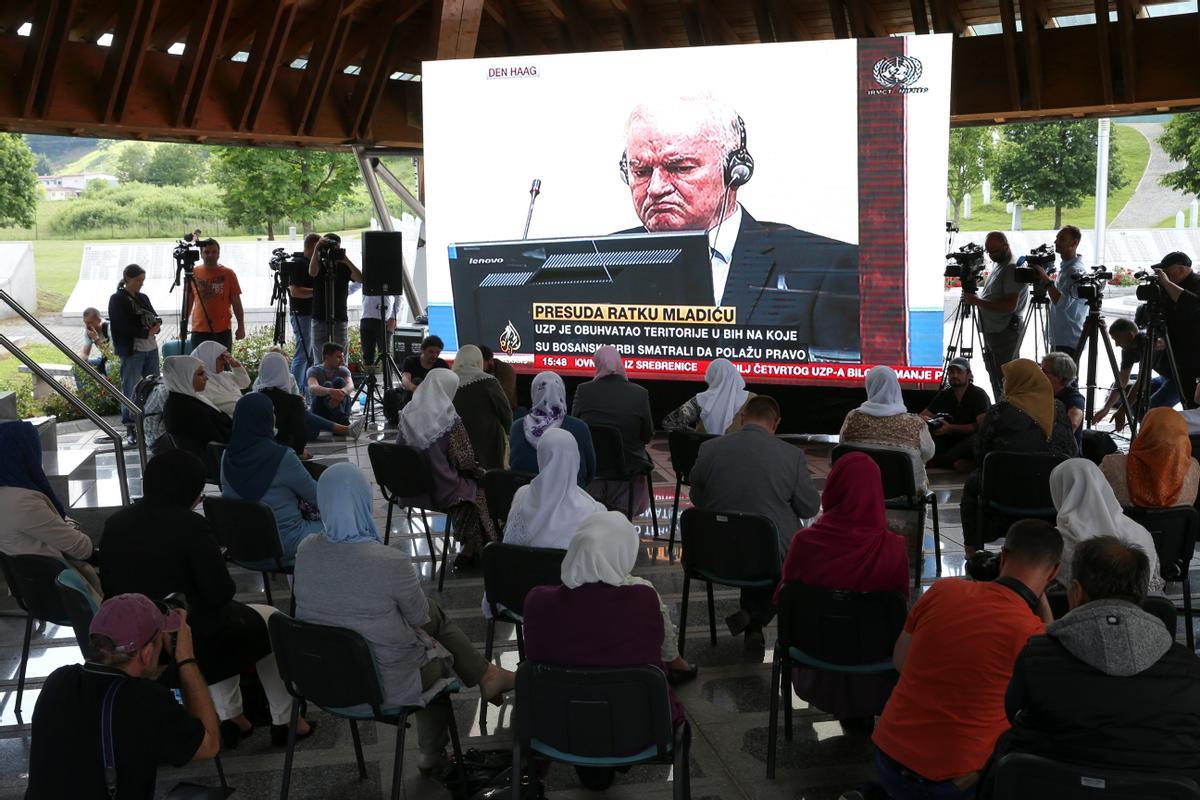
{"x":955,"y":659}
{"x":216,"y":300}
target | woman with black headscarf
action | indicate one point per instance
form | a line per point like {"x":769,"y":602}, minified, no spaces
{"x":160,"y":546}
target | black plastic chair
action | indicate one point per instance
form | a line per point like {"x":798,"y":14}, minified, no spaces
{"x":900,"y":493}
{"x":598,"y":718}
{"x":31,"y":581}
{"x":499,"y":485}
{"x":1015,"y":486}
{"x":214,"y":452}
{"x":509,"y":572}
{"x":1020,"y":776}
{"x":832,"y":630}
{"x":685,"y":448}
{"x":333,"y":669}
{"x":77,"y":600}
{"x":387,"y":463}
{"x":249,"y":538}
{"x":612,"y":465}
{"x":727,"y":549}
{"x":1174,"y":531}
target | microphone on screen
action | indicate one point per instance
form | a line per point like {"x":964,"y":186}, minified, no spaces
{"x":534,"y":190}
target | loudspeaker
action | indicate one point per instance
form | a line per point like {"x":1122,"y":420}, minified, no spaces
{"x":383,"y":263}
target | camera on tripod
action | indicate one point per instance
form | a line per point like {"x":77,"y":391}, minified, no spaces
{"x":330,"y":251}
{"x":1042,"y":256}
{"x":186,"y":254}
{"x":280,"y":257}
{"x":966,"y":263}
{"x":1090,"y":285}
{"x":1148,"y":289}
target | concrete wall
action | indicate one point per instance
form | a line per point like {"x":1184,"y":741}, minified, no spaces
{"x":17,"y":275}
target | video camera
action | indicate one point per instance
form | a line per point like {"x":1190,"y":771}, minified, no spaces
{"x":1148,"y":289}
{"x":280,"y":258}
{"x":965,"y":263}
{"x":186,"y":254}
{"x":1042,"y":256}
{"x":329,"y":253}
{"x":1090,"y":285}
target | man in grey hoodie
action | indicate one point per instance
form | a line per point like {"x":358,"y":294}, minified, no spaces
{"x":1107,"y":685}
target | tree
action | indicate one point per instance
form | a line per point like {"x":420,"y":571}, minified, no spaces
{"x":1053,"y":164}
{"x":970,"y":160}
{"x":18,"y":182}
{"x":1180,"y":140}
{"x":264,"y":186}
{"x":175,"y":165}
{"x":131,"y":162}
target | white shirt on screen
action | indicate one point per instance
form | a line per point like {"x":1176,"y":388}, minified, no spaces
{"x":721,"y":241}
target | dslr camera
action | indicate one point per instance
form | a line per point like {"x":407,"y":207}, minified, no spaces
{"x":1043,"y":256}
{"x":965,"y":263}
{"x":937,"y":421}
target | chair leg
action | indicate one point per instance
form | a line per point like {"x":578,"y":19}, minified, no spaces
{"x":358,"y":753}
{"x":674,"y":516}
{"x":267,"y":588}
{"x":24,"y":659}
{"x":687,"y":583}
{"x":937,"y":538}
{"x":653,"y":505}
{"x":433,"y":558}
{"x":919,"y":555}
{"x":488,"y":641}
{"x":629,"y":510}
{"x":520,"y":642}
{"x":712,"y":614}
{"x":221,"y":774}
{"x":773,"y":715}
{"x":291,"y":749}
{"x":1187,"y":613}
{"x":398,"y":762}
{"x":387,"y":531}
{"x":292,"y":602}
{"x":445,"y":553}
{"x":460,"y":771}
{"x":683,"y":763}
{"x":516,"y":770}
{"x":785,"y":693}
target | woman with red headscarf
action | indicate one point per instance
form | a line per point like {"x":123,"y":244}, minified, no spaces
{"x":1159,"y":471}
{"x":849,"y":547}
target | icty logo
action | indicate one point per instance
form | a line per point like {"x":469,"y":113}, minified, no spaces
{"x":897,"y":75}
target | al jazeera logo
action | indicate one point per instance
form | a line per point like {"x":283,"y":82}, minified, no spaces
{"x":896,"y":75}
{"x":510,"y":340}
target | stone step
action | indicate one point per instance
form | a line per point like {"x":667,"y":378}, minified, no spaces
{"x":65,"y":467}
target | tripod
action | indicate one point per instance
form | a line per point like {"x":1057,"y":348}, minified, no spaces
{"x":1037,"y":315}
{"x":189,"y":292}
{"x":1094,"y":330}
{"x":383,"y":361}
{"x":279,"y":298}
{"x":965,"y":331}
{"x":1156,"y":328}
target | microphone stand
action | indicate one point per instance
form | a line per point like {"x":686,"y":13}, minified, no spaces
{"x":534,"y":191}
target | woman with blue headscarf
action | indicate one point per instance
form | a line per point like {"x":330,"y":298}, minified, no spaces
{"x":349,"y":578}
{"x":257,"y":468}
{"x":34,"y":521}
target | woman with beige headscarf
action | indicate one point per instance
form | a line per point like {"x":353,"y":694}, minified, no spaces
{"x":483,"y":408}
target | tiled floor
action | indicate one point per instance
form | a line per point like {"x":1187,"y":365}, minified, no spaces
{"x":727,"y":704}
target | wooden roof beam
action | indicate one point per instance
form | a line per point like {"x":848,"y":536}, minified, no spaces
{"x":199,"y":57}
{"x":323,"y":62}
{"x":640,"y":30}
{"x":103,"y":19}
{"x":717,"y":28}
{"x":1127,"y":11}
{"x":947,"y":18}
{"x":384,"y":33}
{"x":51,"y":27}
{"x":128,"y":51}
{"x":263,"y":64}
{"x":1008,"y":24}
{"x":920,"y":18}
{"x":1103,"y":51}
{"x":837,"y":15}
{"x":1031,"y":31}
{"x":458,"y":30}
{"x":864,"y":20}
{"x":692,"y":23}
{"x":577,"y":28}
{"x":516,"y":31}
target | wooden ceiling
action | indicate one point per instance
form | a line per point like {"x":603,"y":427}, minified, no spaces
{"x":112,"y":68}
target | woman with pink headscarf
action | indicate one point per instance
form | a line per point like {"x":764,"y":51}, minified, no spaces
{"x":610,"y":399}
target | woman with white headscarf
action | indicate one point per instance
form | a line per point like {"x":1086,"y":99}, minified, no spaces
{"x":483,"y":408}
{"x":189,"y":415}
{"x":1088,"y":508}
{"x":547,"y":511}
{"x":883,"y":423}
{"x":296,"y":425}
{"x":718,"y":409}
{"x":227,"y":379}
{"x":430,"y":424}
{"x":549,"y":412}
{"x":347,"y":577}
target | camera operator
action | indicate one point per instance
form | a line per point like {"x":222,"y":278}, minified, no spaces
{"x":1001,"y":303}
{"x":953,"y":416}
{"x":1180,"y":305}
{"x":1067,"y":310}
{"x":1164,"y":393}
{"x":330,"y":291}
{"x":134,"y":324}
{"x":300,"y":293}
{"x":217,"y":299}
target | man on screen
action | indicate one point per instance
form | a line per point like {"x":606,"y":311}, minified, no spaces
{"x":685,"y":160}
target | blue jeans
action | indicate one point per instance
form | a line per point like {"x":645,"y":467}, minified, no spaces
{"x":323,"y":332}
{"x":315,"y":425}
{"x":134,"y":367}
{"x":320,"y":405}
{"x":902,"y":784}
{"x":97,"y":362}
{"x":1164,"y":392}
{"x":302,"y":330}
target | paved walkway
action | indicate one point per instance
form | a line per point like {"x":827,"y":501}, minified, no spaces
{"x":1152,"y":202}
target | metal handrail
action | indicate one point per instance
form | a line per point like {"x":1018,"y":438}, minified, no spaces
{"x":82,"y":407}
{"x":134,"y":409}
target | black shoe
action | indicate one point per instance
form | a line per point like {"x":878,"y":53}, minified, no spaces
{"x":231,"y":734}
{"x":465,"y":562}
{"x":737,"y":622}
{"x":596,"y":778}
{"x":279,"y":734}
{"x":755,"y":641}
{"x":676,"y":677}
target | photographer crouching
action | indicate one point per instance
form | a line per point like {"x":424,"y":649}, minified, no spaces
{"x":1000,"y":304}
{"x":331,"y":272}
{"x":133,"y":324}
{"x":1179,"y":303}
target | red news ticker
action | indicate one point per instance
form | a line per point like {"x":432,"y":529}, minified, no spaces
{"x":752,"y":371}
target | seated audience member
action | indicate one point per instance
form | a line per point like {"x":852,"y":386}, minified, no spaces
{"x":602,"y":616}
{"x":549,"y":411}
{"x":849,"y":547}
{"x":227,"y":379}
{"x":955,"y":658}
{"x":547,"y":511}
{"x":959,"y":407}
{"x":752,"y":472}
{"x":1087,"y":508}
{"x":152,"y":413}
{"x":331,"y":386}
{"x":430,"y":424}
{"x":482,"y":407}
{"x":502,"y":372}
{"x":610,"y":399}
{"x":883,"y":423}
{"x":1159,"y":471}
{"x":295,"y":424}
{"x":1027,"y":420}
{"x":188,"y":413}
{"x":144,"y":725}
{"x":716,"y":410}
{"x":1106,"y":647}
{"x":257,"y":468}
{"x":1060,"y":368}
{"x":415,"y":368}
{"x":160,"y":546}
{"x":35,"y":522}
{"x":347,"y":577}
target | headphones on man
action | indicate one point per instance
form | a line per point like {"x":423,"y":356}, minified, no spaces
{"x":739,"y":164}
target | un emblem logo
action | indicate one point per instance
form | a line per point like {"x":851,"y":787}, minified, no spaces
{"x":897,"y":71}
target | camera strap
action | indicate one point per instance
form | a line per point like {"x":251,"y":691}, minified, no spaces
{"x":1023,"y":591}
{"x":107,"y":741}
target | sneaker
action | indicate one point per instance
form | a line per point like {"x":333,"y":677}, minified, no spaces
{"x":356,"y":428}
{"x":429,"y":763}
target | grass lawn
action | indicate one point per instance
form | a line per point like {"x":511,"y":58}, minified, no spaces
{"x":10,"y":378}
{"x":56,"y":262}
{"x":1134,"y":153}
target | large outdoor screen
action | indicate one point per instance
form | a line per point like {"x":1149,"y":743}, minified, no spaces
{"x":780,"y":205}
